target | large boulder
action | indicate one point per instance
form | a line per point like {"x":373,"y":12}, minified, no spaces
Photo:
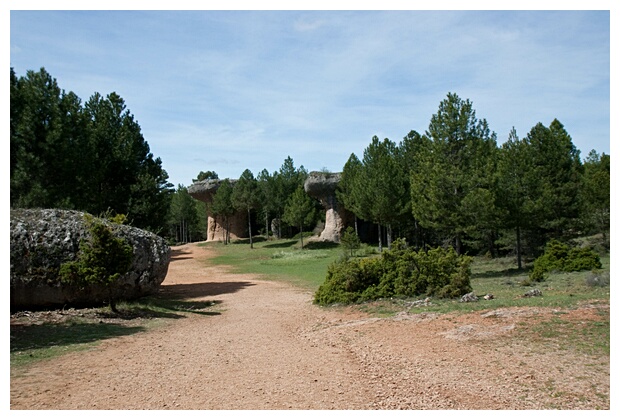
{"x":42,"y":240}
{"x":322,"y":186}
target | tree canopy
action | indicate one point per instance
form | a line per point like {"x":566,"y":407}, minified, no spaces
{"x":89,"y":157}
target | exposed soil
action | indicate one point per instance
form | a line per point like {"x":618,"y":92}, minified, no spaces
{"x":265,"y":346}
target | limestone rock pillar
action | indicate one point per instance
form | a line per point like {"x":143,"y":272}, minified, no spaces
{"x":216,"y":230}
{"x":322,"y":186}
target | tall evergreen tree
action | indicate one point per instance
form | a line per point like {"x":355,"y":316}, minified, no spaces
{"x":557,"y":171}
{"x":42,"y":173}
{"x":268,"y":196}
{"x":382,"y":179}
{"x":408,"y":150}
{"x":286,"y":181}
{"x":596,"y":192}
{"x":453,"y":164}
{"x":91,"y":158}
{"x":245,"y":197}
{"x":515,"y":186}
{"x":299,"y":211}
{"x":184,"y":216}
{"x":348,"y":188}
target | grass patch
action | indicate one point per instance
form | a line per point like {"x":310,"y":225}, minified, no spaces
{"x":589,"y":336}
{"x":508,"y":285}
{"x":33,"y":343}
{"x":282,"y":260}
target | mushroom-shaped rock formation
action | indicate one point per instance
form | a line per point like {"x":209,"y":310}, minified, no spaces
{"x":42,"y":240}
{"x":322,"y":186}
{"x":204,"y":191}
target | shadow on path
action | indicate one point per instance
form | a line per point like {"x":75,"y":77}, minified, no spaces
{"x":198,"y":290}
{"x":29,"y":337}
{"x":180,"y":254}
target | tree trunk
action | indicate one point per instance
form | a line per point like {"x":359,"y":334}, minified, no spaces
{"x":380,"y":239}
{"x":227,"y":230}
{"x":301,"y":234}
{"x":280,"y":226}
{"x":519,"y":248}
{"x":112,"y":300}
{"x":389,"y":236}
{"x":250,"y":229}
{"x":458,"y":244}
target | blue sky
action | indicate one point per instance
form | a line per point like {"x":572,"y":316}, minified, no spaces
{"x":230,"y":90}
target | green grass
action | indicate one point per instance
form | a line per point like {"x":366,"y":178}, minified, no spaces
{"x":507,"y":284}
{"x":282,"y":260}
{"x":589,"y":337}
{"x":33,"y":343}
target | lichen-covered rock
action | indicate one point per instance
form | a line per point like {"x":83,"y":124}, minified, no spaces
{"x":42,"y":240}
{"x":469,"y":297}
{"x":532,"y":293}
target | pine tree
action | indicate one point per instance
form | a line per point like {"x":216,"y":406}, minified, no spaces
{"x":382,"y":185}
{"x":515,"y":186}
{"x":557,"y":173}
{"x":299,"y":211}
{"x":245,"y":197}
{"x":349,"y":186}
{"x":596,"y":192}
{"x":454,"y":162}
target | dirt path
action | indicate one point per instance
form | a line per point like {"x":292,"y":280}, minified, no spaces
{"x":265,"y":346}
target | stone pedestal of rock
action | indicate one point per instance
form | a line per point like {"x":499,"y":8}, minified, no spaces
{"x":216,"y":227}
{"x":42,"y":240}
{"x":322,"y":186}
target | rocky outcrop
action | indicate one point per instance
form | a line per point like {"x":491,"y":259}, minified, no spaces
{"x":322,"y":186}
{"x":42,"y":240}
{"x":205,"y":191}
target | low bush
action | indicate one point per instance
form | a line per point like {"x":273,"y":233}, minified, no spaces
{"x":102,"y":259}
{"x":562,"y":257}
{"x":401,"y":272}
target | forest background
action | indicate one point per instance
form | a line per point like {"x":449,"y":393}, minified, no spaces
{"x":452,"y":185}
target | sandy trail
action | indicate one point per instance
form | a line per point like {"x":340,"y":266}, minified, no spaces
{"x":265,"y":346}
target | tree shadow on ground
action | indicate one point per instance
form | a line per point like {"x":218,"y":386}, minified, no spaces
{"x":321,"y":245}
{"x":255,"y":239}
{"x":180,"y":254}
{"x":286,"y":244}
{"x":200,"y":290}
{"x":38,"y":336}
{"x":508,"y":272}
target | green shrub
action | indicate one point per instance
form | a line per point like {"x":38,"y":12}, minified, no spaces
{"x":399,"y":272}
{"x":102,"y":259}
{"x":561,"y":257}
